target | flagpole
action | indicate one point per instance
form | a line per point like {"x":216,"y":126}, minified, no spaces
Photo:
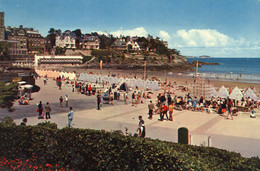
{"x":144,"y":70}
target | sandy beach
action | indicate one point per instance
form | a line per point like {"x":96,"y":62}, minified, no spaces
{"x":181,"y":80}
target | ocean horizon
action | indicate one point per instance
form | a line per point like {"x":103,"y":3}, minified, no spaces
{"x":245,"y":69}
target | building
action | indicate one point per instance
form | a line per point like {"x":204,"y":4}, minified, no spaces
{"x":17,"y":39}
{"x":135,"y":46}
{"x":35,"y":41}
{"x":2,"y":25}
{"x":52,"y":61}
{"x":66,"y":40}
{"x":90,"y":42}
{"x":119,"y":44}
{"x":24,"y":42}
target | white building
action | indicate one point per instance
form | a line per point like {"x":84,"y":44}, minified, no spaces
{"x":66,"y":39}
{"x":47,"y":60}
{"x":135,"y":45}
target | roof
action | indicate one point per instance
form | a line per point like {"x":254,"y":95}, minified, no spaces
{"x":119,"y":42}
{"x":65,"y":34}
{"x":87,"y":38}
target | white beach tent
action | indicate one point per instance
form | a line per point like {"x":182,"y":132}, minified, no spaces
{"x":213,"y":92}
{"x":222,"y":92}
{"x":81,"y":77}
{"x":250,"y":93}
{"x":236,"y":94}
{"x":155,"y":86}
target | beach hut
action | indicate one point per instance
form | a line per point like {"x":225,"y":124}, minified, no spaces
{"x":222,"y":92}
{"x":250,"y":93}
{"x":236,"y":94}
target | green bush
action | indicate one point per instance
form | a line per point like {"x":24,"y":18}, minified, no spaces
{"x":48,"y":124}
{"x":84,"y":149}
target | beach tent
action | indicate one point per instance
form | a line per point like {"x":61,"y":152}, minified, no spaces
{"x":213,"y":92}
{"x":250,"y":93}
{"x":222,"y":92}
{"x":236,"y":94}
{"x":154,"y":86}
{"x":258,"y":99}
{"x":124,"y":87}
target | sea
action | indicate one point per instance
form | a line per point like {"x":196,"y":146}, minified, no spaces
{"x":235,"y":69}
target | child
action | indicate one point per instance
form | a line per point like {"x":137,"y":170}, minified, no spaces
{"x":252,"y":115}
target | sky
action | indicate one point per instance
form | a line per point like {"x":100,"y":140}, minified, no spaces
{"x":217,"y":28}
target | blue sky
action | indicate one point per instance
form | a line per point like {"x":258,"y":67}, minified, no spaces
{"x":218,"y":28}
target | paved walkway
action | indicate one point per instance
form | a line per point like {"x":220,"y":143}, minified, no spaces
{"x":239,"y":135}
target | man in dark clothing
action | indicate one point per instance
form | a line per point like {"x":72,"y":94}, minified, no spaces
{"x":162,"y":98}
{"x":115,"y":95}
{"x":98,"y":101}
{"x":169,"y":99}
{"x":40,"y":109}
{"x":24,"y":122}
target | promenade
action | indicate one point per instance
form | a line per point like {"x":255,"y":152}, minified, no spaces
{"x":239,"y":135}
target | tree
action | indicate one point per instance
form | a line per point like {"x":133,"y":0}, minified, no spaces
{"x":4,"y":52}
{"x":106,"y":41}
{"x":7,"y":95}
{"x":60,"y":50}
{"x":78,"y":37}
{"x":52,"y":36}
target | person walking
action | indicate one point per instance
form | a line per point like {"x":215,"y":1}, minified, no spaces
{"x":98,"y":102}
{"x":133,"y":99}
{"x":165,"y":109}
{"x":125,"y":97}
{"x":70,"y":117}
{"x":61,"y":100}
{"x":171,"y":111}
{"x":67,"y":100}
{"x":140,"y":124}
{"x":142,"y":130}
{"x":151,"y":108}
{"x":47,"y":110}
{"x":40,"y":110}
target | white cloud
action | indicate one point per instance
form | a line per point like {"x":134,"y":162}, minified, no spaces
{"x":164,"y":35}
{"x":140,"y":31}
{"x":101,"y":32}
{"x":204,"y":38}
{"x":196,"y":42}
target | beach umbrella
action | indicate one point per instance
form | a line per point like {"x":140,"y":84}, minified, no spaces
{"x":236,"y":94}
{"x":250,"y":93}
{"x":222,"y":92}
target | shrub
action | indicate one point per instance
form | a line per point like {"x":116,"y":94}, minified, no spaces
{"x":84,"y":149}
{"x":48,"y":124}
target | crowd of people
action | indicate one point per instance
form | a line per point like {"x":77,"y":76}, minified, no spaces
{"x":224,"y":106}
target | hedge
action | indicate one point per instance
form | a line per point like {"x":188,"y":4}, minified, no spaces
{"x":85,"y":149}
